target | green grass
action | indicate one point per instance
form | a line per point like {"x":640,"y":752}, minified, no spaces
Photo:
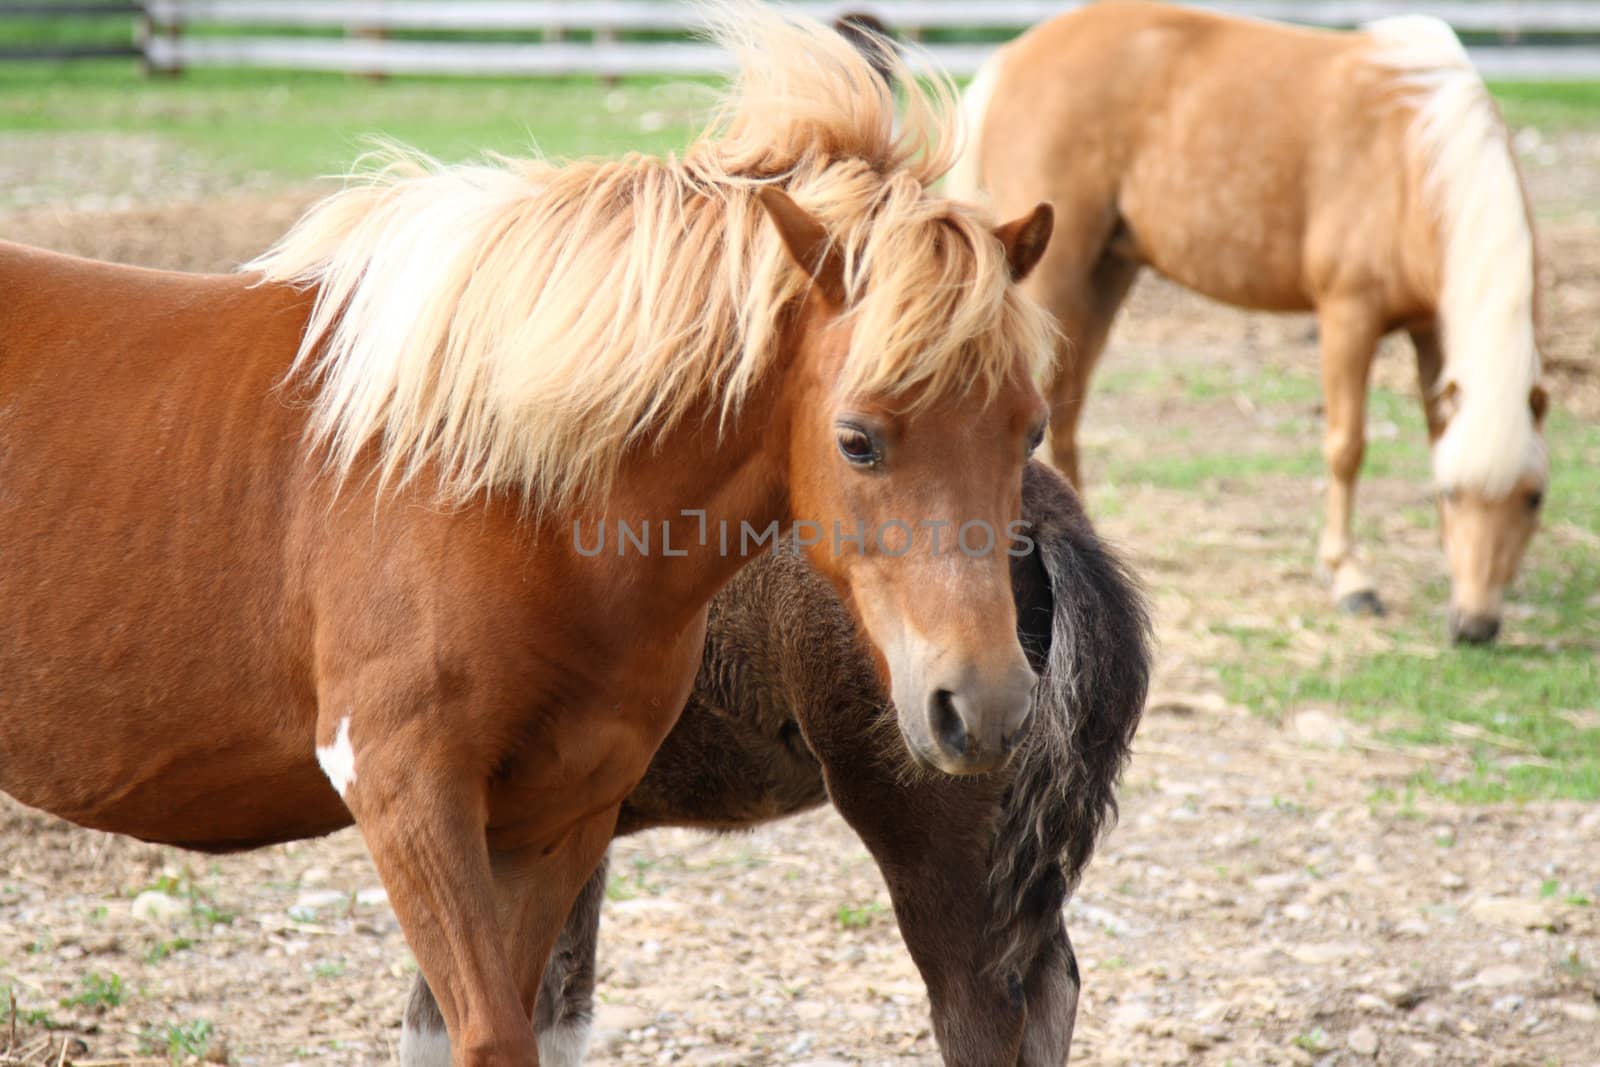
{"x":1296,"y":452}
{"x":1548,"y":105}
{"x":163,"y":949}
{"x":179,"y":1042}
{"x":301,"y":125}
{"x":15,"y":32}
{"x":96,"y":990}
{"x":203,"y":909}
{"x":857,"y":917}
{"x":294,"y":128}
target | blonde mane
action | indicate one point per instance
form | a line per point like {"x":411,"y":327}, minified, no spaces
{"x":521,"y":324}
{"x":1486,"y":307}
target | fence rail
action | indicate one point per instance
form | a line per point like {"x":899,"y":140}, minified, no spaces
{"x":1528,"y":39}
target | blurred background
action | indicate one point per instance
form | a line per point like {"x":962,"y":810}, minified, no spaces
{"x":206,"y":94}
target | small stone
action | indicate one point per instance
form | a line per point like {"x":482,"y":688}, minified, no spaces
{"x":1198,"y":1038}
{"x":155,"y":906}
{"x":1509,"y":1004}
{"x":1131,"y":1016}
{"x":1583,"y":1013}
{"x":1319,"y":728}
{"x":316,"y":899}
{"x":613,"y":1022}
{"x":1276,"y":883}
{"x":1513,"y":911}
{"x":1363,"y":1041}
{"x":1374,"y":1004}
{"x":1330,"y":952}
{"x":1503,"y":975}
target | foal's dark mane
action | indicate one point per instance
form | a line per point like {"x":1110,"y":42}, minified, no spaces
{"x":1088,"y":632}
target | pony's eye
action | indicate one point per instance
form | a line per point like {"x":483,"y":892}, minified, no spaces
{"x":1536,"y":500}
{"x":857,"y":446}
{"x":1035,"y":439}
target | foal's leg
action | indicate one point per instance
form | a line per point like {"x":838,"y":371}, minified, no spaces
{"x":1051,"y":989}
{"x":566,"y":994}
{"x":930,"y":838}
{"x":565,"y":1010}
{"x":1349,"y":332}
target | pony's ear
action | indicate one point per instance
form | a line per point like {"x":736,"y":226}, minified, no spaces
{"x":807,"y":241}
{"x":1026,"y":239}
{"x":1539,"y":402}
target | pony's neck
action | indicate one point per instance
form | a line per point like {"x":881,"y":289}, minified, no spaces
{"x":711,"y":500}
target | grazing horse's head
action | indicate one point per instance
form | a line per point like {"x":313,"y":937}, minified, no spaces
{"x":914,"y":414}
{"x":1486,"y":520}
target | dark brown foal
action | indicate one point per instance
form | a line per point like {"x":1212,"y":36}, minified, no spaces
{"x":785,"y":695}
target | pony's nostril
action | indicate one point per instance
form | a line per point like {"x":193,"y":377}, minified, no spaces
{"x":946,"y":722}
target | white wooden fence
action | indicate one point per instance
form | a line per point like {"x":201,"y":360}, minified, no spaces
{"x":601,"y":36}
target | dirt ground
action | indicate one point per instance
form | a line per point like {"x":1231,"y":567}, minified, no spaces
{"x":1255,"y":904}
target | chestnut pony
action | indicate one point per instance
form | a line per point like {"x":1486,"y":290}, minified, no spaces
{"x":297,"y":548}
{"x":1366,"y":176}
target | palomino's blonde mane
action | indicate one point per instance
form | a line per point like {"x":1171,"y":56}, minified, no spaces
{"x":1486,"y":308}
{"x":520,"y":324}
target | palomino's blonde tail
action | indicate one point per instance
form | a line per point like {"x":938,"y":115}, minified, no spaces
{"x":965,"y":180}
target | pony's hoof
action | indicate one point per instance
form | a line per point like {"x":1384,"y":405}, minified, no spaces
{"x":1361,"y":602}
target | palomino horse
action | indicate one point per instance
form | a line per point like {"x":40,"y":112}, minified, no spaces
{"x":1366,"y":176}
{"x":774,"y":727}
{"x":301,"y":547}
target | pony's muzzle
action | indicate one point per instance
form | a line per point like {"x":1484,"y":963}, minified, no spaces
{"x":1473,"y":629}
{"x":974,"y":723}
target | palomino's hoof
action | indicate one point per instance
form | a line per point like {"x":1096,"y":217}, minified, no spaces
{"x":1361,"y":602}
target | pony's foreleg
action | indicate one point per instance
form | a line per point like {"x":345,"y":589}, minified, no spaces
{"x":1085,"y":308}
{"x":1349,"y":338}
{"x":424,"y":827}
{"x":565,"y":1011}
{"x":481,"y":922}
{"x":1430,"y":364}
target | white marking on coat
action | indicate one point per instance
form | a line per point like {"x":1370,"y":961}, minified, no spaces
{"x":338,"y":760}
